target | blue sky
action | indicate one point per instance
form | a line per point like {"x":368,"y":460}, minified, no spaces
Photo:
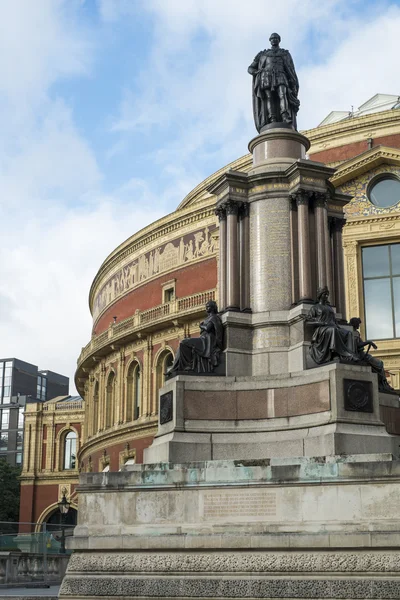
{"x":111,"y":111}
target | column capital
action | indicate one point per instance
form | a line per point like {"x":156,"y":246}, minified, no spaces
{"x":220,"y":212}
{"x":232,"y":207}
{"x":321,"y":199}
{"x":337,"y":223}
{"x":301,"y":196}
{"x":244,"y":210}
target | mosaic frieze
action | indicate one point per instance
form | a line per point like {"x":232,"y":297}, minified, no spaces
{"x":166,"y":257}
{"x":360,"y":206}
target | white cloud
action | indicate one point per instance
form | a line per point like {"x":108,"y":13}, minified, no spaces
{"x":57,"y":225}
{"x":364,"y":64}
{"x":199,"y":93}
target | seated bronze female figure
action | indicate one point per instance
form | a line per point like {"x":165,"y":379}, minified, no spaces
{"x":329,"y":340}
{"x":201,"y":354}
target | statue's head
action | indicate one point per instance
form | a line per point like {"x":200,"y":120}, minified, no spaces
{"x":211,"y":306}
{"x":323,"y":293}
{"x":274,"y":39}
{"x":355,"y":322}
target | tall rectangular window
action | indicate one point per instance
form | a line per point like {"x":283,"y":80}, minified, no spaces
{"x":3,"y":440}
{"x":381,"y":274}
{"x":20,"y":418}
{"x":5,"y":418}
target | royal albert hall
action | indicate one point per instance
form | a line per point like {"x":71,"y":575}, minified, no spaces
{"x":151,"y":291}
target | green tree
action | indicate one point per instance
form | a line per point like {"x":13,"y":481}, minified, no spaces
{"x":9,"y":496}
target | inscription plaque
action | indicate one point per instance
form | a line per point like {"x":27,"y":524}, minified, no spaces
{"x":358,"y":395}
{"x":240,"y":503}
{"x":166,"y":407}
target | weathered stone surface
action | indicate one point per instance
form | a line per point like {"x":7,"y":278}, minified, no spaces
{"x":234,"y":562}
{"x":237,"y":587}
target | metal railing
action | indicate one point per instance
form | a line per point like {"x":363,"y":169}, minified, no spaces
{"x":28,"y":555}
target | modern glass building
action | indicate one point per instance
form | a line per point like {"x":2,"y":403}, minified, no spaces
{"x":21,"y":382}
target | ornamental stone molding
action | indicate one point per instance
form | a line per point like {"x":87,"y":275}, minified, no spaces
{"x":360,"y":205}
{"x":233,"y":562}
{"x":217,"y":587}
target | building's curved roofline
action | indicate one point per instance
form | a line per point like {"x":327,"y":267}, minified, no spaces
{"x":199,"y":198}
{"x":196,"y":200}
{"x":243,"y":163}
{"x":342,"y":129}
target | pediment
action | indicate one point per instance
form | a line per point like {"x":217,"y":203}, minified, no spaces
{"x":368,"y":160}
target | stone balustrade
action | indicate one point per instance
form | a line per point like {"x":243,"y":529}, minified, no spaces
{"x":184,"y":306}
{"x":26,"y":567}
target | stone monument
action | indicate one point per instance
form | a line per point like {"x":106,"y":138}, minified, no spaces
{"x":279,"y":478}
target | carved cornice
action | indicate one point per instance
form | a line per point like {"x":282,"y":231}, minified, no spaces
{"x":337,"y":133}
{"x":368,"y":160}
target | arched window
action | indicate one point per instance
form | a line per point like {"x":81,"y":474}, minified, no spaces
{"x":133,"y":392}
{"x":110,"y":399}
{"x":70,"y":442}
{"x":164,"y":362}
{"x":137,"y":392}
{"x":95,"y":421}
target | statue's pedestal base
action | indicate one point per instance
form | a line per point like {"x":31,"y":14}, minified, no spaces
{"x":329,"y":410}
{"x":325,"y":527}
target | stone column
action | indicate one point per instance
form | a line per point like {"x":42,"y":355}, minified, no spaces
{"x":321,"y":225}
{"x":121,"y":400}
{"x":244,"y":258}
{"x":351,"y":277}
{"x":294,"y":250}
{"x":102,"y":397}
{"x":303,"y":232}
{"x":148,"y":399}
{"x":232,"y":256}
{"x":337,"y":226}
{"x":328,"y":258}
{"x":220,"y":211}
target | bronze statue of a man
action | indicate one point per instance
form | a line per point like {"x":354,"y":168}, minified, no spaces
{"x":375,"y":363}
{"x":275,"y":86}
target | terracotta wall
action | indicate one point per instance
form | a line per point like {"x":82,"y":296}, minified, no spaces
{"x":348,"y":151}
{"x":189,"y":280}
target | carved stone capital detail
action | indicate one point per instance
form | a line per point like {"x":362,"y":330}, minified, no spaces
{"x":301,"y":196}
{"x":321,"y":199}
{"x":337,"y":224}
{"x":221,"y":213}
{"x":244,"y":210}
{"x":232,"y":207}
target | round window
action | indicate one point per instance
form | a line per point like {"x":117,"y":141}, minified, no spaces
{"x":385,"y":192}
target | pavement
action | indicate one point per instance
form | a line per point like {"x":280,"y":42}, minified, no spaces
{"x":26,"y":593}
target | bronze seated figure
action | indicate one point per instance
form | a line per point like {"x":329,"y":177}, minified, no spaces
{"x":329,"y":340}
{"x":202,"y":354}
{"x":375,"y":363}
